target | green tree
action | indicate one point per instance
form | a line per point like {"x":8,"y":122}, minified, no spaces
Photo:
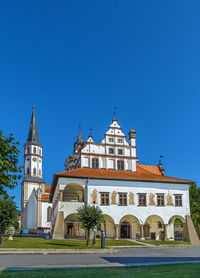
{"x":9,"y":170}
{"x":8,"y":216}
{"x":195,"y":206}
{"x":90,"y":217}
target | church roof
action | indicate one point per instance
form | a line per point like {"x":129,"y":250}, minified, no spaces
{"x":143,"y":173}
{"x":34,"y":179}
{"x":33,"y":137}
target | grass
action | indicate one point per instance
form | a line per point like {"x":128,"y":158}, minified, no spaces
{"x":164,"y":271}
{"x":160,"y":242}
{"x":31,"y":243}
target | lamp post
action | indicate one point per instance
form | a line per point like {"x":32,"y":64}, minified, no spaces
{"x":94,"y":238}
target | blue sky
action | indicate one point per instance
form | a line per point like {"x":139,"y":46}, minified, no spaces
{"x":76,"y":60}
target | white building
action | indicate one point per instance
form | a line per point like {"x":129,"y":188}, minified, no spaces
{"x":138,"y":201}
{"x":36,"y":210}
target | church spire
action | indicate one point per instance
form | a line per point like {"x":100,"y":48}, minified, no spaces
{"x":80,"y":137}
{"x":33,"y":137}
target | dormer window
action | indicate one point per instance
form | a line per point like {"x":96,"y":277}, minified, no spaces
{"x":111,"y":151}
{"x":111,"y":140}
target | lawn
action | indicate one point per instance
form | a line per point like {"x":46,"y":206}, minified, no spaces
{"x":61,"y":244}
{"x":164,"y":271}
{"x":160,"y":242}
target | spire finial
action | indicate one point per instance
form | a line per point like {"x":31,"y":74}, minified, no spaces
{"x":115,"y":109}
{"x":90,"y":133}
{"x":160,"y":160}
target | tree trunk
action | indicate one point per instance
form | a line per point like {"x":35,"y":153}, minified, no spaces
{"x":88,"y":237}
{"x":1,"y":240}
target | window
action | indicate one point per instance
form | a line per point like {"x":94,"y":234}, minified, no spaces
{"x":40,"y":172}
{"x":105,"y":198}
{"x":160,"y":200}
{"x":95,"y":163}
{"x":122,"y":199}
{"x":119,"y":140}
{"x":120,"y":164}
{"x":27,"y":171}
{"x":34,"y":171}
{"x":159,"y":225}
{"x":39,"y":152}
{"x":34,"y":149}
{"x":120,"y":152}
{"x":142,"y":199}
{"x":49,"y":214}
{"x":178,"y":200}
{"x":28,"y":150}
{"x":111,"y":151}
{"x":110,"y":139}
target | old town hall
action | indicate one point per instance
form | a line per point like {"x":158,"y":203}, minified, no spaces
{"x":137,"y":201}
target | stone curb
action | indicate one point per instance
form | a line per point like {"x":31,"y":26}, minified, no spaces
{"x":57,"y":251}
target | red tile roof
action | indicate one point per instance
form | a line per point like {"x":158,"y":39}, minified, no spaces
{"x":45,"y":197}
{"x":143,"y":173}
{"x":47,"y":188}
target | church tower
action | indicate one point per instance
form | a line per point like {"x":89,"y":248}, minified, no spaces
{"x":33,"y":152}
{"x":32,"y":185}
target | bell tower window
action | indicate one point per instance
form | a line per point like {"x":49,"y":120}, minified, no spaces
{"x":27,"y":171}
{"x":34,"y":171}
{"x":34,"y":149}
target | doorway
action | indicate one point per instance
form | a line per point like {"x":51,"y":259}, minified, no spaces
{"x":125,"y":230}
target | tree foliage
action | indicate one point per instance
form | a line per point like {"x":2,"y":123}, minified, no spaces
{"x":9,"y":169}
{"x":195,"y":205}
{"x":8,"y":214}
{"x":90,"y":217}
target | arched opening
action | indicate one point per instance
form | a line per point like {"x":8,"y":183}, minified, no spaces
{"x":34,"y":150}
{"x":49,"y":214}
{"x":73,"y":227}
{"x":73,"y":192}
{"x":129,"y":227}
{"x":109,"y":226}
{"x":34,"y":171}
{"x":176,"y":228}
{"x":28,"y":171}
{"x":154,"y":228}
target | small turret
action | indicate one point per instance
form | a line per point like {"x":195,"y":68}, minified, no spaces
{"x":132,"y":137}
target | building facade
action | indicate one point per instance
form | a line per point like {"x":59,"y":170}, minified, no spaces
{"x":137,"y":201}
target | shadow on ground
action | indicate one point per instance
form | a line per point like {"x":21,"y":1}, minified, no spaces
{"x":132,"y":260}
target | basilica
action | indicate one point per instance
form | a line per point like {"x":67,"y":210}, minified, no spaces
{"x":138,"y":201}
